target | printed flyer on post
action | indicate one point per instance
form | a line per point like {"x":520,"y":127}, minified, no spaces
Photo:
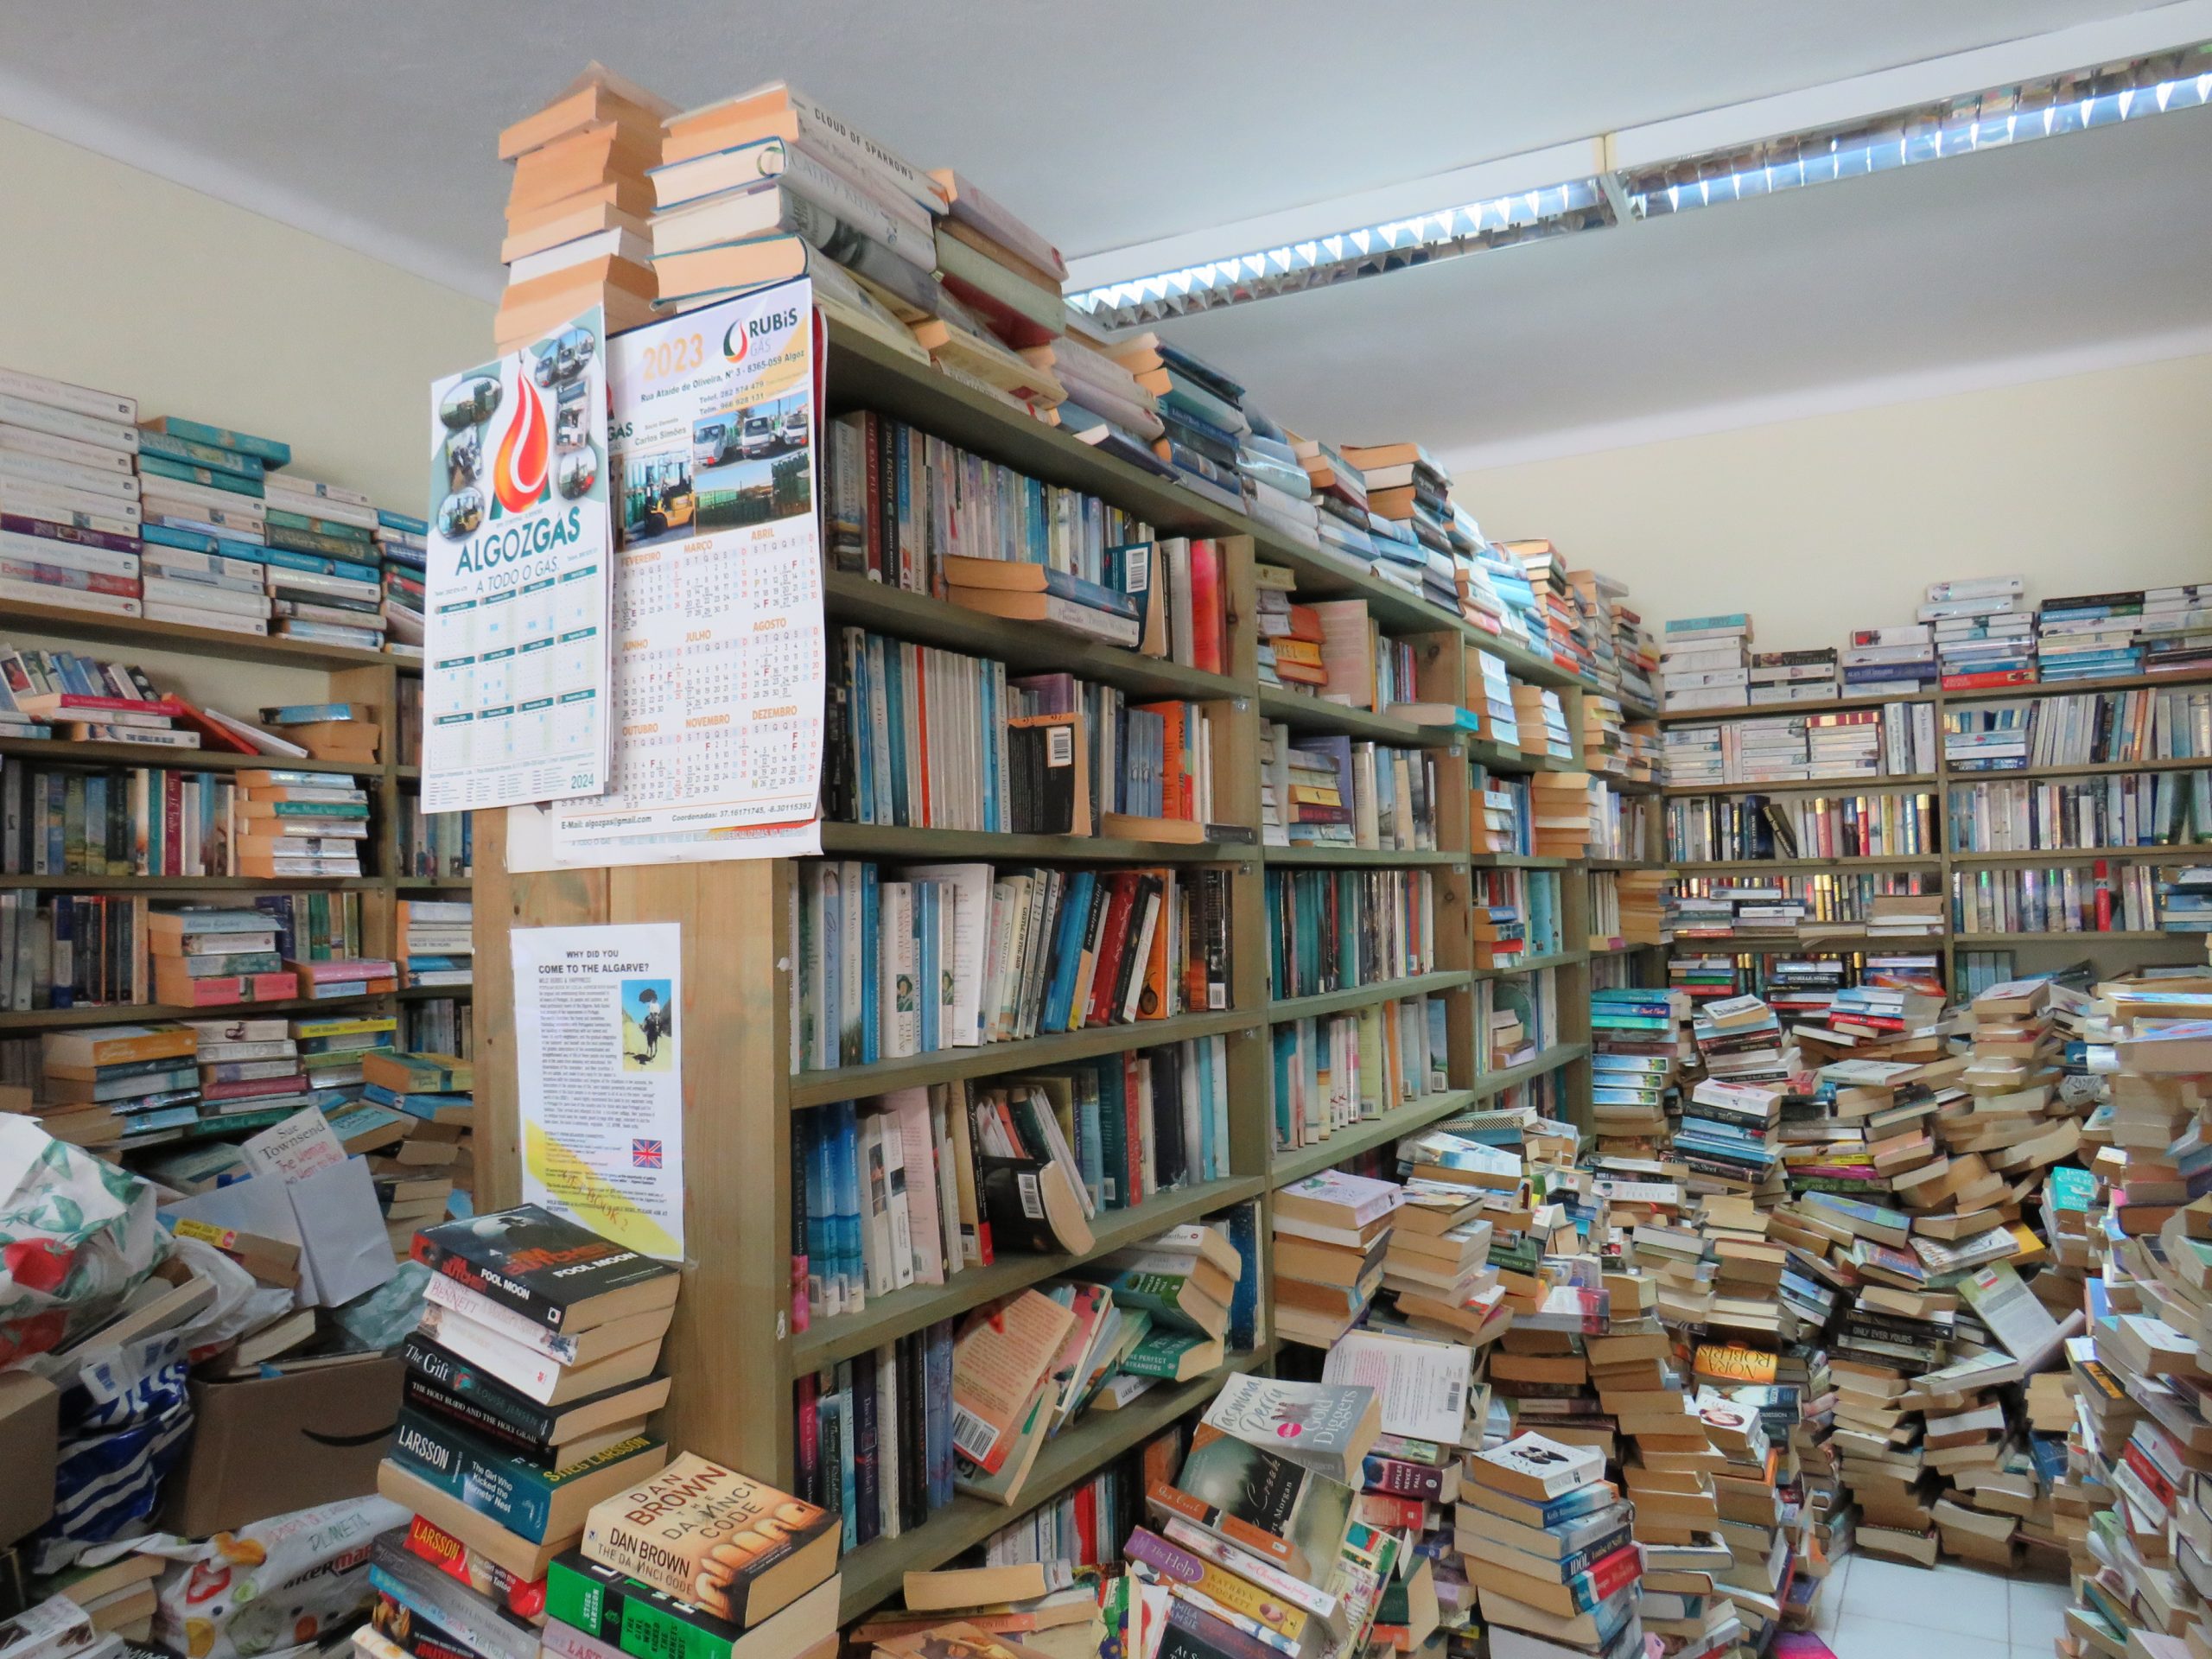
{"x":516,"y":578}
{"x":718,"y":647}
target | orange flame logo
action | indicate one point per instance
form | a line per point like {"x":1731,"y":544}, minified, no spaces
{"x":518,"y":470}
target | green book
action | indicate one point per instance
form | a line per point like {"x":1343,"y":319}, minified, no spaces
{"x":528,"y":1499}
{"x":1169,"y":1354}
{"x":206,"y":477}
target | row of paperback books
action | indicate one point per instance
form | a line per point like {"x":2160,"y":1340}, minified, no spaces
{"x":1706,"y":829}
{"x":1332,"y":1073}
{"x":1326,"y":791}
{"x":1332,"y":930}
{"x":65,"y":950}
{"x":896,"y":961}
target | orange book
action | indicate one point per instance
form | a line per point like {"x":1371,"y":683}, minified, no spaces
{"x":79,"y":1053}
{"x":595,"y":155}
{"x":595,"y":97}
{"x":627,"y":197}
{"x":999,"y":1363}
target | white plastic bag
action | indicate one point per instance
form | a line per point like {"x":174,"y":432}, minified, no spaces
{"x":272,"y":1585}
{"x":76,"y":1234}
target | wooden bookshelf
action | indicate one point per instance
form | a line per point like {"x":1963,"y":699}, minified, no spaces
{"x":350,"y":676}
{"x":732,"y":1348}
{"x":1946,"y":862}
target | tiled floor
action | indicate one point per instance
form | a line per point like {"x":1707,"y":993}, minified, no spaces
{"x":1873,"y":1609}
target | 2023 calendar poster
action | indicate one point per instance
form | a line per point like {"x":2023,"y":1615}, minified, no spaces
{"x":516,"y":578}
{"x":719,"y":652}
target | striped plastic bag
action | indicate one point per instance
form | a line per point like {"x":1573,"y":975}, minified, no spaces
{"x":77,"y":1233}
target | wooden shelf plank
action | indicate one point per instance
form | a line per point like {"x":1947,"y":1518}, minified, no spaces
{"x":1026,"y":647}
{"x":857,"y":1082}
{"x":875,"y":1570}
{"x":1529,"y":965}
{"x":2190,"y":855}
{"x":1492,"y":1084}
{"x":1811,"y":786}
{"x":1629,"y":864}
{"x":115,"y":1013}
{"x":176,"y":636}
{"x":185,"y":886}
{"x":1296,"y":1163}
{"x":1284,"y":1009}
{"x":1730,"y":866}
{"x":1992,"y":941}
{"x":1518,"y":862}
{"x":886,"y":1319}
{"x":62,"y":751}
{"x":1313,"y":715}
{"x":899,"y":842}
{"x":1358,"y":857}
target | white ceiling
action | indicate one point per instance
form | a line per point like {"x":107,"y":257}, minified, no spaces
{"x":1113,"y":125}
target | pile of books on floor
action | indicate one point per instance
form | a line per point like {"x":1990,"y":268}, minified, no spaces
{"x":436,"y":1095}
{"x":2089,"y":636}
{"x":530,"y":1382}
{"x":576,"y":209}
{"x":1983,"y":631}
{"x":69,"y":496}
{"x":1331,"y":1234}
{"x":1704,"y":663}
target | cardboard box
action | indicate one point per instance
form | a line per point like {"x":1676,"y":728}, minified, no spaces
{"x":30,"y":1435}
{"x":268,"y":1445}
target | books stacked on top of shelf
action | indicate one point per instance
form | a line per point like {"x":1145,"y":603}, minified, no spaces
{"x":1201,"y":413}
{"x":530,"y":1377}
{"x":293,"y":823}
{"x":1984,"y":630}
{"x":1481,"y":601}
{"x":1523,"y":619}
{"x":2176,"y":629}
{"x":1794,"y":676}
{"x":1560,"y":820}
{"x":70,"y":516}
{"x":1341,"y":522}
{"x":1567,"y":635}
{"x":1105,"y":406}
{"x":402,"y":543}
{"x":46,"y":694}
{"x":1016,"y":952}
{"x":1888,"y":661}
{"x":324,"y":578}
{"x":1331,"y":1233}
{"x":343,"y":731}
{"x":436,"y":942}
{"x":2088,"y":636}
{"x":1695,"y":756}
{"x":576,"y":207}
{"x":1500,"y":713}
{"x":1408,"y":512}
{"x":1703,"y":662}
{"x":1277,"y":490}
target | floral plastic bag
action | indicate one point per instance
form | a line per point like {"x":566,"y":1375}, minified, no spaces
{"x":76,"y":1234}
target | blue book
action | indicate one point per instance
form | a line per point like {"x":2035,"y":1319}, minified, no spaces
{"x":1113,"y":1135}
{"x":1698,"y":624}
{"x":269,"y":450}
{"x":852,"y":1208}
{"x":894,"y":706}
{"x":1088,"y":1127}
{"x":170,"y":536}
{"x":808,"y":1128}
{"x":864,"y":692}
{"x":871,"y":965}
{"x":1201,"y":1055}
{"x":937,"y":1365}
{"x":994,"y":808}
{"x":401,"y":521}
{"x":1067,"y":937}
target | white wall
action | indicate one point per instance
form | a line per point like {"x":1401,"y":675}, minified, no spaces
{"x":1819,"y":526}
{"x":117,"y":279}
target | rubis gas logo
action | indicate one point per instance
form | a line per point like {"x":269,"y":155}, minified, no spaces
{"x":520,"y":478}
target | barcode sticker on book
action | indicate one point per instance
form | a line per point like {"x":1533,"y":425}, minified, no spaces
{"x":1059,"y":745}
{"x":1033,"y":1196}
{"x":971,"y":1436}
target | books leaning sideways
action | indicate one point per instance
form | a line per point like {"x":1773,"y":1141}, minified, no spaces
{"x":529,"y":1379}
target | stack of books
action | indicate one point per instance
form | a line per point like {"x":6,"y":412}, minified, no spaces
{"x":576,"y":207}
{"x":1794,"y":676}
{"x":2176,"y":629}
{"x":438,"y":944}
{"x":1631,"y":1065}
{"x":2088,"y":636}
{"x":1566,"y":635}
{"x":205,"y":505}
{"x":1559,"y":825}
{"x":531,"y":1379}
{"x":1890,"y":661}
{"x":402,"y":543}
{"x":1984,"y":630}
{"x":70,"y":515}
{"x":1703,"y":662}
{"x":315,"y":824}
{"x":1105,"y":406}
{"x":1201,"y":413}
{"x":436,"y":1094}
{"x":1339,"y":497}
{"x":1551,"y":1551}
{"x":1409,"y":507}
{"x":1007,"y":275}
{"x":1277,"y":490}
{"x":1331,"y":1233}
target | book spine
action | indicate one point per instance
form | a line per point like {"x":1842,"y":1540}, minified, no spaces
{"x":611,"y":1609}
{"x":518,"y":1498}
{"x":498,"y":1418}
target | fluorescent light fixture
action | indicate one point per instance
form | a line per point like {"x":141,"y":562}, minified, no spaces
{"x":2048,"y":107}
{"x":1370,"y":250}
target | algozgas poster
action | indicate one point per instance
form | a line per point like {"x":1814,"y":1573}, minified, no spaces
{"x":718,"y":645}
{"x":516,"y":578}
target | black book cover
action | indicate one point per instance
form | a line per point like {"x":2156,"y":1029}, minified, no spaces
{"x":1013,"y":1203}
{"x":533,"y":1262}
{"x":1168,"y":1151}
{"x":866,"y":1498}
{"x":913,"y":1436}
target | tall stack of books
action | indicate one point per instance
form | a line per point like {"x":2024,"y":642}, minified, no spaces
{"x":1984,"y":630}
{"x":70,"y":517}
{"x":1331,"y":1234}
{"x":1201,"y":413}
{"x":437,"y":944}
{"x":531,"y":1378}
{"x":206,"y":505}
{"x":1277,"y":489}
{"x":436,"y":1093}
{"x":1408,"y":506}
{"x":1552,"y":1554}
{"x":402,"y":543}
{"x":576,"y":207}
{"x":1703,"y":662}
{"x":2088,"y":636}
{"x":2176,"y":629}
{"x":1339,"y":497}
{"x":1631,"y":1067}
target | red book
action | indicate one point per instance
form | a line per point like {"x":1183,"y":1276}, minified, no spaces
{"x":1206,"y":607}
{"x":173,"y":826}
{"x":1112,"y":941}
{"x":245,"y":1087}
{"x":2103,"y":874}
{"x":212,"y":734}
{"x":918,"y":687}
{"x":872,"y":443}
{"x":1997,"y":676}
{"x":65,"y":703}
{"x":1132,"y":1087}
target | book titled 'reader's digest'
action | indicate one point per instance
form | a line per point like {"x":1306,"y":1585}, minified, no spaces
{"x":549,"y":1269}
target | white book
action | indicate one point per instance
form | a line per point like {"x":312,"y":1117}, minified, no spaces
{"x":615,"y":240}
{"x":885,"y":1360}
{"x":853,"y":152}
{"x":965,"y":893}
{"x":294,"y":488}
{"x":68,"y":556}
{"x":66,"y":475}
{"x":74,"y":599}
{"x":110,"y":515}
{"x":898,"y":1011}
{"x":118,"y":436}
{"x":78,"y":400}
{"x":204,"y":595}
{"x":875,"y":1205}
{"x":899,"y":1214}
{"x":32,"y":441}
{"x":852,"y":992}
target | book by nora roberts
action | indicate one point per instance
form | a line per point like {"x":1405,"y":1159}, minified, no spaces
{"x":725,"y":1542}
